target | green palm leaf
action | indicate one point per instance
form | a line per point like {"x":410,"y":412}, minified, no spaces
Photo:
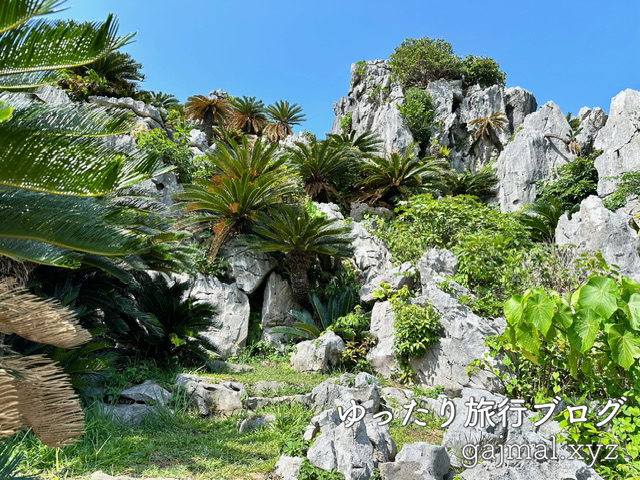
{"x":41,"y":45}
{"x":17,"y":12}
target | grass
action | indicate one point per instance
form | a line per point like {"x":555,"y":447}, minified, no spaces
{"x":183,"y":444}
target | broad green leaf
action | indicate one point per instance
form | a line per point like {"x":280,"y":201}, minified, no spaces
{"x":563,"y":315}
{"x":629,"y":286}
{"x":513,"y":309}
{"x":539,"y":310}
{"x":584,"y":330}
{"x":634,"y":311}
{"x":624,"y":344}
{"x":601,"y":295}
{"x":573,"y":362}
{"x":5,"y":112}
{"x":528,"y":341}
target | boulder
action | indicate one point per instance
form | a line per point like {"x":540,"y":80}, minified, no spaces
{"x":256,"y":403}
{"x":436,"y":265}
{"x":231,"y":328}
{"x":417,"y":461}
{"x":331,"y":210}
{"x":531,"y":157}
{"x":518,"y":104}
{"x":620,"y":140}
{"x":462,"y":342}
{"x":52,"y":95}
{"x":253,"y":423}
{"x":398,"y":277}
{"x":319,"y":355}
{"x":362,"y":388}
{"x":288,"y":468}
{"x":130,"y":413}
{"x":595,"y":228}
{"x":163,"y":186}
{"x":369,"y":254}
{"x":373,"y":105}
{"x":355,"y":450}
{"x":591,"y":122}
{"x":381,"y":357}
{"x":248,"y":269}
{"x":278,"y":302}
{"x":148,"y":392}
{"x":198,"y":139}
{"x":223,"y":398}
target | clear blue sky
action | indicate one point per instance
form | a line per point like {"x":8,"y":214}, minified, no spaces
{"x":575,"y":53}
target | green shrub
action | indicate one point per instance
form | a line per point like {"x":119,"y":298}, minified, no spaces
{"x":629,"y":185}
{"x":424,"y":222}
{"x":174,"y":152}
{"x":483,"y":71}
{"x":418,"y":113}
{"x":417,"y":328}
{"x":575,"y":181}
{"x":346,"y":122}
{"x":416,"y":62}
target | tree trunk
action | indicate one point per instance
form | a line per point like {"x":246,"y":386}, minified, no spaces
{"x":298,"y":263}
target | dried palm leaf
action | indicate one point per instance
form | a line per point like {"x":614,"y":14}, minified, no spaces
{"x":36,"y":319}
{"x":46,"y":399}
{"x":9,"y":408}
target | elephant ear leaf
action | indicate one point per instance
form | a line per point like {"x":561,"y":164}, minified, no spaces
{"x":601,"y":295}
{"x":584,"y":330}
{"x":624,"y":344}
{"x":539,"y":310}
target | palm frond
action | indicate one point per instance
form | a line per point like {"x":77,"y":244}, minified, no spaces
{"x":17,"y":12}
{"x":45,"y":45}
{"x":36,"y":319}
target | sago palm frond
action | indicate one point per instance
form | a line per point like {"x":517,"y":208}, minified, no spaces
{"x":17,"y":12}
{"x":282,"y":116}
{"x":238,"y":158}
{"x":365,"y":145}
{"x":31,"y":51}
{"x":249,"y":114}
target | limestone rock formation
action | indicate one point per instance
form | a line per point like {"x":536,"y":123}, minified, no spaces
{"x":595,"y":228}
{"x":372,"y":104}
{"x":620,"y":140}
{"x":531,"y":157}
{"x":319,"y":355}
{"x":209,"y":398}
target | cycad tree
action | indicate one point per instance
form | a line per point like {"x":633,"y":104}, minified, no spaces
{"x":300,"y":235}
{"x":211,"y":111}
{"x":53,"y":162}
{"x":282,"y":116}
{"x":249,"y":115}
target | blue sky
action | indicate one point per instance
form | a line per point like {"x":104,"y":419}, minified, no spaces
{"x":574,"y":53}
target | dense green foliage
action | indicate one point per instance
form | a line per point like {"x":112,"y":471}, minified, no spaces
{"x":416,"y":62}
{"x":574,"y":182}
{"x":173,"y":152}
{"x":418,"y":113}
{"x":629,"y":186}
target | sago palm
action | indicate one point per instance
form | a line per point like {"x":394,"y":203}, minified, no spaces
{"x":398,"y":173}
{"x":321,"y":167}
{"x":367,"y":144}
{"x":161,"y":99}
{"x":479,"y":184}
{"x":52,"y":161}
{"x":120,"y":71}
{"x":236,"y":158}
{"x":210,"y":111}
{"x":487,"y":128}
{"x":300,"y":235}
{"x":282,"y":117}
{"x":249,"y":115}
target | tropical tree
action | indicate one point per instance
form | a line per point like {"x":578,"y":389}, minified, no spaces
{"x":210,"y":111}
{"x":54,"y":162}
{"x":300,"y":235}
{"x":487,"y":129}
{"x":119,"y":71}
{"x":249,"y":115}
{"x":245,"y":181}
{"x":541,"y":217}
{"x":321,"y":167}
{"x":399,"y":173}
{"x":479,"y":184}
{"x":161,"y":100}
{"x":282,"y":117}
{"x":367,"y":144}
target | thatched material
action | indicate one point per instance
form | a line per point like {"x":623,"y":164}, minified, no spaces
{"x":38,"y":320}
{"x":9,"y":412}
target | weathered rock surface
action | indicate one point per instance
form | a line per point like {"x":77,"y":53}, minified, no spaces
{"x":595,"y":228}
{"x":398,"y":277}
{"x":620,"y":140}
{"x":231,"y":324}
{"x":417,"y":461}
{"x":372,"y":103}
{"x":148,"y":392}
{"x":531,"y":157}
{"x":253,"y":423}
{"x":52,"y":95}
{"x":255,"y":403}
{"x":319,"y":355}
{"x":355,"y":450}
{"x":331,"y":210}
{"x":278,"y":302}
{"x":130,"y":413}
{"x":164,"y":186}
{"x":248,"y":269}
{"x":223,"y":398}
{"x":369,"y":253}
{"x":362,"y":388}
{"x":381,"y":357}
{"x":138,"y":107}
{"x":591,"y":122}
{"x":288,"y":468}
